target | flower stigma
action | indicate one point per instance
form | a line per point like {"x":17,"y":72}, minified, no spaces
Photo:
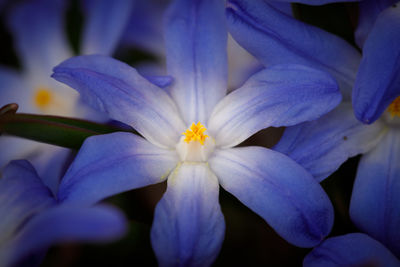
{"x":43,"y":97}
{"x":195,"y":145}
{"x":394,"y":107}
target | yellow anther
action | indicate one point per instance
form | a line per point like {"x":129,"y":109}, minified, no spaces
{"x":394,"y":107}
{"x":195,"y":133}
{"x":42,"y":97}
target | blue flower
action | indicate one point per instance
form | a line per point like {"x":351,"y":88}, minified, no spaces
{"x":190,"y":130}
{"x":323,"y":145}
{"x":28,"y":207}
{"x":354,"y":249}
{"x":40,"y":42}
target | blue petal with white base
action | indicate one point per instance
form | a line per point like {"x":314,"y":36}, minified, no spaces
{"x":279,"y":190}
{"x":274,"y":37}
{"x":188,"y":227}
{"x":120,"y":91}
{"x":110,"y":164}
{"x":378,"y":77}
{"x":350,"y":250}
{"x":282,"y":95}
{"x":196,"y":39}
{"x":374,"y":206}
{"x":321,"y":146}
{"x":105,"y":22}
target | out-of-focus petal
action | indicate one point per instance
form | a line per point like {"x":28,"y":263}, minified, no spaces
{"x":110,"y":164}
{"x":321,"y":146}
{"x":13,"y":89}
{"x":145,"y":27}
{"x":120,"y":91}
{"x":367,"y":14}
{"x":105,"y":22}
{"x":316,"y":2}
{"x":374,"y":206}
{"x":274,"y":38}
{"x":188,"y":227}
{"x":38,"y":29}
{"x":22,"y":194}
{"x":279,"y":190}
{"x":196,"y":38}
{"x":350,"y":250}
{"x":66,"y":224}
{"x":378,"y":77}
{"x":282,"y":95}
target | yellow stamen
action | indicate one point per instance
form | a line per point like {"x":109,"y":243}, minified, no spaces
{"x":394,"y":107}
{"x":43,"y":97}
{"x":195,"y":133}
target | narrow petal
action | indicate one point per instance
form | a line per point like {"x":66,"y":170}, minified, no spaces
{"x":350,"y":250}
{"x":196,"y":38}
{"x":188,"y":227}
{"x":274,"y":38}
{"x":67,"y":224}
{"x":105,"y":22}
{"x":367,"y":14}
{"x":117,"y":89}
{"x":22,"y":194}
{"x":110,"y":164}
{"x":321,"y":146}
{"x":38,"y":30}
{"x":282,"y":95}
{"x":374,"y":206}
{"x":279,"y":190}
{"x":378,"y":78}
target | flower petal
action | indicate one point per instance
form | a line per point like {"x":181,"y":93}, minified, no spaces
{"x":274,"y":38}
{"x":350,"y":250}
{"x":38,"y":29}
{"x":188,"y":227}
{"x":282,"y":95}
{"x":279,"y":190}
{"x":67,"y":224}
{"x":374,"y":206}
{"x":105,"y":22}
{"x":367,"y":14}
{"x":316,"y":2}
{"x":196,"y":38}
{"x":145,"y":27}
{"x":321,"y":146}
{"x":110,"y":164}
{"x":378,"y":77}
{"x":117,"y":89}
{"x":22,"y":194}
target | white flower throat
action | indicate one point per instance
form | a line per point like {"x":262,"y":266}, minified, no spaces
{"x":195,"y":145}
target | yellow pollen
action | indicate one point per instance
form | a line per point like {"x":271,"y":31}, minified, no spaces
{"x":195,"y":133}
{"x":43,"y":97}
{"x":394,"y":107}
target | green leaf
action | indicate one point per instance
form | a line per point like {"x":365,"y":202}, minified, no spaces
{"x":55,"y":130}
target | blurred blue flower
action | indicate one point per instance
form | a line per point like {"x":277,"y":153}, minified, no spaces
{"x":190,"y":129}
{"x":323,"y":145}
{"x":38,"y":30}
{"x":354,"y":249}
{"x":32,"y":220}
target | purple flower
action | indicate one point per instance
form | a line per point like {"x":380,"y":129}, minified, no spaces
{"x":189,"y":132}
{"x":323,"y":145}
